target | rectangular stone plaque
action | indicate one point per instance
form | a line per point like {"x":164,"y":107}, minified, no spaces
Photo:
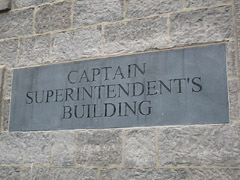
{"x":174,"y":87}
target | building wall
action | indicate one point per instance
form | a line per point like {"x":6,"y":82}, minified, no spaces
{"x":44,"y":32}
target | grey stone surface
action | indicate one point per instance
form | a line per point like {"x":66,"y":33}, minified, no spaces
{"x":44,"y":173}
{"x":5,"y":5}
{"x":237,"y":13}
{"x":9,"y":173}
{"x":76,"y":44}
{"x":238,"y":54}
{"x":2,"y":69}
{"x":8,"y":52}
{"x":136,"y":8}
{"x":231,"y":59}
{"x":53,"y":17}
{"x":200,"y":145}
{"x":212,"y":174}
{"x":26,"y":3}
{"x":139,"y":148}
{"x":20,"y":148}
{"x":147,"y":174}
{"x":199,"y":3}
{"x":8,"y":83}
{"x":6,"y":114}
{"x":63,"y":148}
{"x":16,"y":23}
{"x":136,"y":35}
{"x":205,"y":25}
{"x":99,"y":148}
{"x":34,"y":50}
{"x":233,"y":89}
{"x":96,"y":11}
{"x":190,"y":81}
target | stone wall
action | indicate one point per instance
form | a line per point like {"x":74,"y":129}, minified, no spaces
{"x":43,"y":32}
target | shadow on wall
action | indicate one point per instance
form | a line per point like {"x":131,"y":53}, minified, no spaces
{"x":5,"y":5}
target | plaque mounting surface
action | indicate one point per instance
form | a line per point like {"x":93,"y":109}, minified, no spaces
{"x":174,"y":87}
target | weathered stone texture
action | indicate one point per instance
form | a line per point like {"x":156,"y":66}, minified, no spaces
{"x":9,"y":173}
{"x":5,"y":5}
{"x":231,"y":59}
{"x":53,"y":17}
{"x":148,"y":174}
{"x":8,"y":53}
{"x":6,"y":114}
{"x":140,"y":148}
{"x":22,"y":148}
{"x":233,"y":89}
{"x":25,"y":3}
{"x":34,"y":50}
{"x":239,"y":54}
{"x":136,"y":8}
{"x":16,"y":23}
{"x":76,"y":44}
{"x":136,"y":35}
{"x":44,"y":173}
{"x":99,"y":148}
{"x":95,"y":11}
{"x":199,"y":3}
{"x":237,"y":11}
{"x":212,"y":174}
{"x":205,"y":25}
{"x":200,"y":145}
{"x":2,"y":69}
{"x":63,"y":148}
{"x":8,"y":82}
